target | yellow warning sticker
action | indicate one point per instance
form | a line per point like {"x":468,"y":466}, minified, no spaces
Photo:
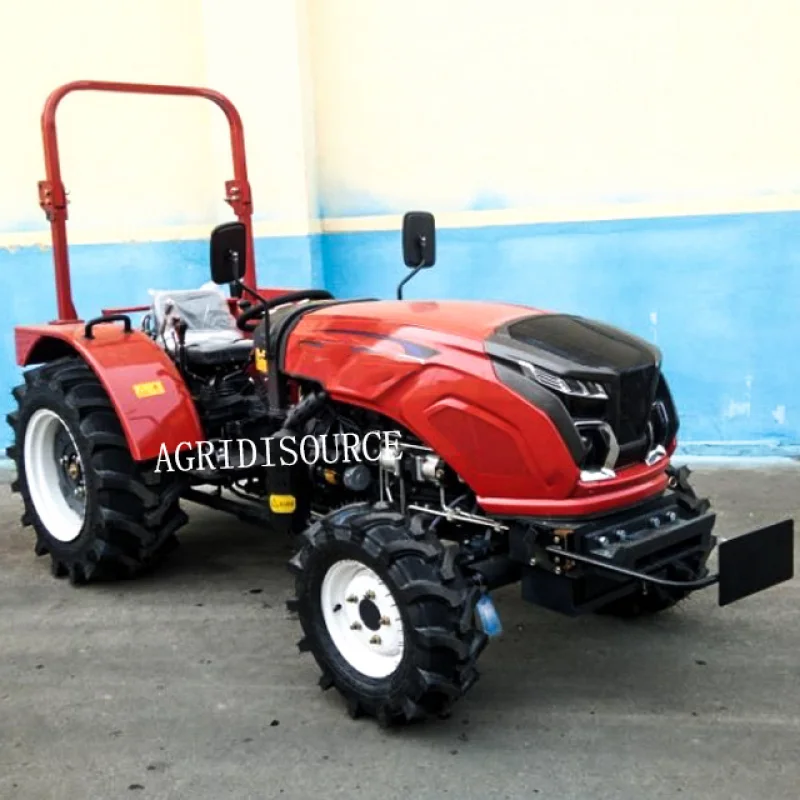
{"x":282,"y":503}
{"x":149,"y":389}
{"x":261,"y":359}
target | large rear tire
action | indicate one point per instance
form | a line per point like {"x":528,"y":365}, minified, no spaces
{"x":386,"y":614}
{"x":98,"y":514}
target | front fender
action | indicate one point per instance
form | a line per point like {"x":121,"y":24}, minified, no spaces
{"x":148,"y":393}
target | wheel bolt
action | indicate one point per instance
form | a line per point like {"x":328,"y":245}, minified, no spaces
{"x":352,"y":599}
{"x":369,"y":595}
{"x":356,"y":626}
{"x":385,"y":621}
{"x":375,"y":639}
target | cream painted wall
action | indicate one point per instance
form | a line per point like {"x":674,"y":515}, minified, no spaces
{"x":360,"y":107}
{"x":257,"y":55}
{"x":458,"y":104}
{"x":128,"y":162}
{"x":142,"y":167}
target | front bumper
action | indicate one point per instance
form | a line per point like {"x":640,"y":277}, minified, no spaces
{"x":666,"y":542}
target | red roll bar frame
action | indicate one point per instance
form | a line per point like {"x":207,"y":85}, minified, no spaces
{"x":53,"y":196}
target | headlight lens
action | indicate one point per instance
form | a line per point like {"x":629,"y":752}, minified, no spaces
{"x":588,"y":390}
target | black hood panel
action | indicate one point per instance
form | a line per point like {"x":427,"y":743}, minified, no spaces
{"x":627,"y":367}
{"x":574,"y":346}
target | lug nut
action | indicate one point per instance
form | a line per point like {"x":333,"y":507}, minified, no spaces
{"x":356,"y":626}
{"x":385,"y":621}
{"x":375,"y":639}
{"x":369,"y":595}
{"x":352,"y":599}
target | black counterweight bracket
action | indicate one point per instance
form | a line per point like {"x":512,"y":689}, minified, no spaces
{"x":700,"y":583}
{"x":748,"y":563}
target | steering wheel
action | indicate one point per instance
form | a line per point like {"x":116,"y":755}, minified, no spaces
{"x":248,"y":320}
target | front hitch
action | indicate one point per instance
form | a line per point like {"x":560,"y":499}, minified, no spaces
{"x":748,"y":564}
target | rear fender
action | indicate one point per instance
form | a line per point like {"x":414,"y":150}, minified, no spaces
{"x":148,"y":393}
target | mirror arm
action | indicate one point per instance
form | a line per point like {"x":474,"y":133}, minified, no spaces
{"x":407,"y":279}
{"x":251,"y":292}
{"x":422,"y":243}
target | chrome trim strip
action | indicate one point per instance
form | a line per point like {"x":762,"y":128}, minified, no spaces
{"x":560,"y":385}
{"x":592,"y":476}
{"x":655,"y":455}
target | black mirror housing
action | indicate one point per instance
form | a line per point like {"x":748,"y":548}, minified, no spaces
{"x":419,"y":239}
{"x":228,"y":252}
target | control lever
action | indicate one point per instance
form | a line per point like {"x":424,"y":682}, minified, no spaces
{"x":181,"y":326}
{"x":168,"y":306}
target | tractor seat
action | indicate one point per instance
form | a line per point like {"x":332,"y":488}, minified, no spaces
{"x":212,"y":337}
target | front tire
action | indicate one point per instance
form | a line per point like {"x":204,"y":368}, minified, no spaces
{"x":386,"y":614}
{"x":98,"y":514}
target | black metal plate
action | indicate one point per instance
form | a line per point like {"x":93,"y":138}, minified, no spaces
{"x":756,"y":561}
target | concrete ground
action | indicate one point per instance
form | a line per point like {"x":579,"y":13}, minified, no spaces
{"x":187,"y":684}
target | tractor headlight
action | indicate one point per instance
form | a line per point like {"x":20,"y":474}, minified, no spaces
{"x":587,"y":390}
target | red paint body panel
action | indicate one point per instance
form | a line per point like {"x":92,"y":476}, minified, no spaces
{"x":121,"y":361}
{"x":423,"y":364}
{"x":470,"y":319}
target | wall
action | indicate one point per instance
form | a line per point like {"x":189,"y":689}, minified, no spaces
{"x":635,"y":162}
{"x":632,"y":162}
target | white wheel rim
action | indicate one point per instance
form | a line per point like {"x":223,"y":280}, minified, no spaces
{"x":43,"y":475}
{"x":362,"y":618}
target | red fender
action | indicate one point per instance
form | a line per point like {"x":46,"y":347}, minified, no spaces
{"x":150,"y":397}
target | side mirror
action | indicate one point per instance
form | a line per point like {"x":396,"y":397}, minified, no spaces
{"x":419,"y":239}
{"x":228,"y":252}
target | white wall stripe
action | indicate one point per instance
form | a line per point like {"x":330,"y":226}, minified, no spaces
{"x":455,"y":219}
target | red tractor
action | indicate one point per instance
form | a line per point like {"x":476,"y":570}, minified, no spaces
{"x":489,"y":443}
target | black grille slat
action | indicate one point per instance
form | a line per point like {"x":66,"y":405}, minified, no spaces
{"x":636,"y":389}
{"x":635,"y":399}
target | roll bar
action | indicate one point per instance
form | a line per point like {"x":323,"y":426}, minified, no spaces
{"x":53,"y":196}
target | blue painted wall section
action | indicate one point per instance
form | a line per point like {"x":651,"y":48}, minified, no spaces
{"x":719,"y":295}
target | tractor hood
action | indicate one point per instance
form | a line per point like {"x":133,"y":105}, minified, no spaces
{"x":581,"y":373}
{"x":470,"y":320}
{"x":560,"y":343}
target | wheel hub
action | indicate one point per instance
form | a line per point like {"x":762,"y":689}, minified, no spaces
{"x":70,"y":478}
{"x":362,"y":618}
{"x":54,"y":475}
{"x":370,"y":614}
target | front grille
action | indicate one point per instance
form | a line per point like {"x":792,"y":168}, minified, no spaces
{"x":635,"y":398}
